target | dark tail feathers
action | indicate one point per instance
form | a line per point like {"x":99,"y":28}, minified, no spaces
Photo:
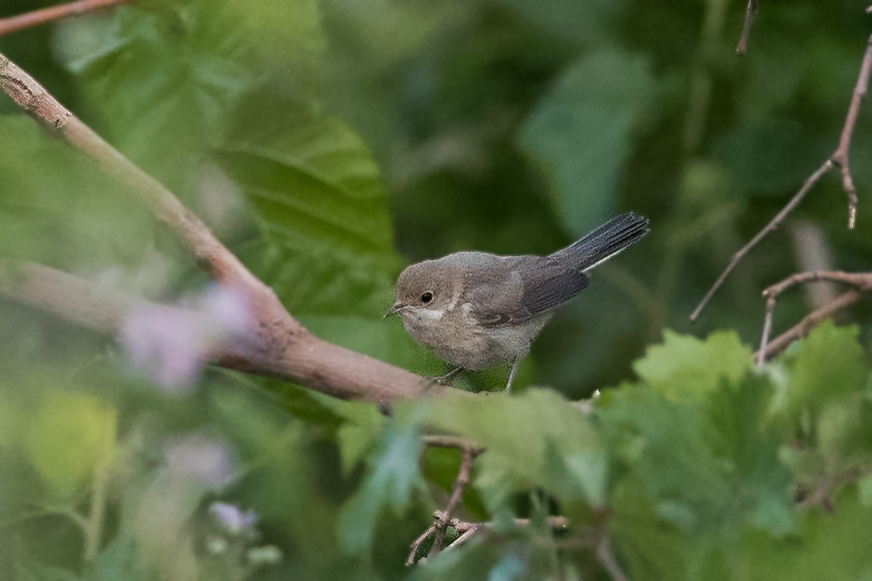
{"x":604,"y":242}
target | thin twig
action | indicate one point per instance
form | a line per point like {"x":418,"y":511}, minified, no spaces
{"x":862,"y":281}
{"x":460,"y":483}
{"x":831,"y":483}
{"x":444,"y":441}
{"x":750,"y":14}
{"x":804,"y":327}
{"x":37,"y":17}
{"x":467,"y":529}
{"x":842,"y":152}
{"x":416,"y":544}
{"x":464,"y":536}
{"x":607,"y":559}
{"x":839,"y":156}
{"x":770,"y":227}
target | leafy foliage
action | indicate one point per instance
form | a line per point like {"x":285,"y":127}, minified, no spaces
{"x":329,"y":143}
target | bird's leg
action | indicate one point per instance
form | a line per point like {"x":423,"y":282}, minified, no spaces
{"x":445,"y":378}
{"x":512,"y":376}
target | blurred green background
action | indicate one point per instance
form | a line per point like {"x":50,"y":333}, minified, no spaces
{"x":331,"y":143}
{"x":506,"y":126}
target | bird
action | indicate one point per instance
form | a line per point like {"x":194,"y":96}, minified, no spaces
{"x":477,"y":310}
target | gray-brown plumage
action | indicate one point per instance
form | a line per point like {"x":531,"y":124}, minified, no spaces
{"x":477,"y":310}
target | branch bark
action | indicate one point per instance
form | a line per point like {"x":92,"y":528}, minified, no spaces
{"x":280,"y":346}
{"x":750,"y":14}
{"x":804,"y":327}
{"x":839,"y":156}
{"x":37,"y":17}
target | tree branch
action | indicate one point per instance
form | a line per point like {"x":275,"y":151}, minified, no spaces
{"x":804,"y":327}
{"x":460,"y":483}
{"x":839,"y":156}
{"x":279,"y":347}
{"x":296,"y":355}
{"x":770,"y":227}
{"x":862,"y":281}
{"x":750,"y":14}
{"x":37,"y":17}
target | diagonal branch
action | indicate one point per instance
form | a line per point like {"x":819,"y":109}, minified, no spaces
{"x":839,"y":156}
{"x":279,"y":347}
{"x":37,"y":17}
{"x":750,"y":14}
{"x":804,"y":327}
{"x":296,"y":355}
{"x":770,"y":227}
{"x":460,"y":483}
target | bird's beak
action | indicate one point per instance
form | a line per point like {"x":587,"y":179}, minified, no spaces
{"x":393,"y":310}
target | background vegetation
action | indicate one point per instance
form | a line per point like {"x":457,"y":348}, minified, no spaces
{"x":331,"y":143}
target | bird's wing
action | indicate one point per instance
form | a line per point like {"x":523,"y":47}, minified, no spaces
{"x":531,"y":286}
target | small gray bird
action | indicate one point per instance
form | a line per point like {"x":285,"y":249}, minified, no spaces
{"x":477,"y":310}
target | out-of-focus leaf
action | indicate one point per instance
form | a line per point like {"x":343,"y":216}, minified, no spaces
{"x":36,"y":572}
{"x":310,"y":179}
{"x":828,"y":364}
{"x":64,"y":418}
{"x":844,"y":433}
{"x":518,"y":433}
{"x":767,"y":159}
{"x":687,"y":367}
{"x":577,"y":22}
{"x":582,"y":133}
{"x":707,"y":465}
{"x":323,"y":211}
{"x":827,"y":546}
{"x":120,"y":560}
{"x":360,"y":434}
{"x":163,"y":78}
{"x":392,"y":478}
{"x":47,"y":187}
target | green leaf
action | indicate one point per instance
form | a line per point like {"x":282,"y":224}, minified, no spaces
{"x":392,"y":477}
{"x":535,"y":439}
{"x":826,"y":546}
{"x":582,"y":133}
{"x":64,"y":418}
{"x":686,"y":367}
{"x":829,"y":364}
{"x":48,"y":187}
{"x":710,"y":468}
{"x":120,"y":560}
{"x":164,"y":78}
{"x":310,"y":179}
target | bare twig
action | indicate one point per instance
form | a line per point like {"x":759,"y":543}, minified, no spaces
{"x":862,"y":281}
{"x":839,"y":156}
{"x":830,"y":484}
{"x":770,"y":227}
{"x":37,"y":17}
{"x":460,"y":483}
{"x":607,"y":559}
{"x":750,"y":14}
{"x":416,"y":544}
{"x":467,"y":529}
{"x":444,"y":441}
{"x":804,"y":327}
{"x":464,"y":536}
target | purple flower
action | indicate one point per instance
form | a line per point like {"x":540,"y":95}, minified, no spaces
{"x":232,"y":519}
{"x":171,"y":344}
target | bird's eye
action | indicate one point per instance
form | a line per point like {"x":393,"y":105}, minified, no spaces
{"x":426,"y":297}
